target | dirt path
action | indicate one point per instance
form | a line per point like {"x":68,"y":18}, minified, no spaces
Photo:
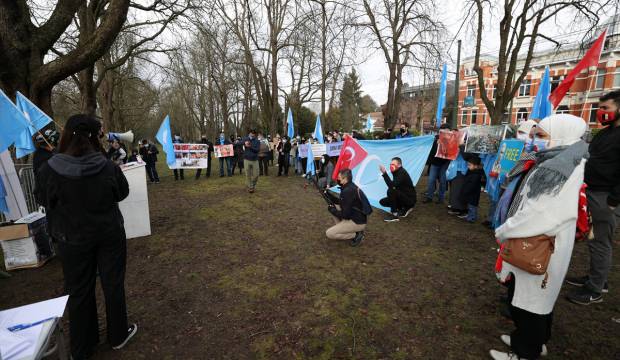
{"x":229,"y":275}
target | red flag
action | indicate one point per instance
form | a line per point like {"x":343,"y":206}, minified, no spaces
{"x":591,"y":58}
{"x":351,"y":154}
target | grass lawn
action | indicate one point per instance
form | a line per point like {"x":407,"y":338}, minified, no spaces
{"x":232,"y":275}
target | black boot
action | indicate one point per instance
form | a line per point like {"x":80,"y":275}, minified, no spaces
{"x":359,"y":236}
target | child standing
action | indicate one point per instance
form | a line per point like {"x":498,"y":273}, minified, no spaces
{"x":470,"y":193}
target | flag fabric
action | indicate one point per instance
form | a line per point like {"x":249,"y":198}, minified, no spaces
{"x":37,"y":119}
{"x":14,"y":128}
{"x":363,"y":157}
{"x":310,"y":168}
{"x":542,"y":106}
{"x":369,"y":124}
{"x":591,"y":58}
{"x":441,"y":101}
{"x":164,"y":136}
{"x":290,"y":130}
{"x":318,"y":130}
{"x":3,"y":205}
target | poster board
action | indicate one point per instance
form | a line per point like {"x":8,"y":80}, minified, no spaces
{"x":303,"y":151}
{"x":448,"y":144}
{"x":191,"y":156}
{"x":509,"y":154}
{"x":483,"y":139}
{"x":318,"y":150}
{"x":333,"y":149}
{"x":223,"y":150}
{"x":135,"y":207}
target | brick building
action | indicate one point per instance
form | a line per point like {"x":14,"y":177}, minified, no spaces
{"x":418,"y":105}
{"x":581,"y":100}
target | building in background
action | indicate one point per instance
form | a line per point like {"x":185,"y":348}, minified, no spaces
{"x":418,"y":105}
{"x":581,"y":100}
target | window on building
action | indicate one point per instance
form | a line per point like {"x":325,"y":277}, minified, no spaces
{"x":593,"y":109}
{"x":525,"y":87}
{"x":464,"y":118}
{"x":521,"y":115}
{"x":617,"y":78}
{"x":562,"y":110}
{"x":471,"y":90}
{"x":474,"y":117}
{"x":555,"y":82}
{"x":600,"y":78}
{"x":493,"y":92}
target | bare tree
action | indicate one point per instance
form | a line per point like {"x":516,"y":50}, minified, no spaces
{"x":519,"y":30}
{"x":404,"y":30}
{"x":25,"y":47}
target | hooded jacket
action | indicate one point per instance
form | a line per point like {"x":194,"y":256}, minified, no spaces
{"x":81,"y":196}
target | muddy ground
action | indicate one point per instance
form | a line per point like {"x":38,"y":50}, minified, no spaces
{"x":229,"y":275}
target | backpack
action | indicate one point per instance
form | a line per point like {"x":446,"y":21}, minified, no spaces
{"x":366,"y":208}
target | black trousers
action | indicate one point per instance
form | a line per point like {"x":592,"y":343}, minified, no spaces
{"x":178,"y":172}
{"x":532,"y":330}
{"x":151,"y":171}
{"x":80,"y":264}
{"x":263,"y":166}
{"x":397,"y":200}
{"x":199,"y":171}
{"x":283,"y":164}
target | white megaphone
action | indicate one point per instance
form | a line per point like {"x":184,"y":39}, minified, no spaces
{"x":126,"y":136}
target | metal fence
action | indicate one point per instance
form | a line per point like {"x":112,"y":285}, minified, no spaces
{"x":26,"y":180}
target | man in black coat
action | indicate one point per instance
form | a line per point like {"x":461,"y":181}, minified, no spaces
{"x":284,"y":150}
{"x":347,"y":211}
{"x":210,"y":149}
{"x":149,"y":152}
{"x":401,"y":195}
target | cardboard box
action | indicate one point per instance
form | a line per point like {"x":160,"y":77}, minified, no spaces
{"x":25,"y":243}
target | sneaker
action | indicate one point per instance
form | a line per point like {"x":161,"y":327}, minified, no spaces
{"x":463,"y":216}
{"x":390,"y":218}
{"x":404,"y":214}
{"x":133,"y":329}
{"x":585,"y":296}
{"x":359,"y":236}
{"x":506,"y":341}
{"x":580,"y":281}
{"x":498,"y":355}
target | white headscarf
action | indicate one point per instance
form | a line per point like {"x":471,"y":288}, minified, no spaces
{"x":563,"y":129}
{"x":526,"y":126}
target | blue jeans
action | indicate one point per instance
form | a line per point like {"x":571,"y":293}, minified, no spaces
{"x":472,"y":213}
{"x":437,"y":172}
{"x":228,"y":166}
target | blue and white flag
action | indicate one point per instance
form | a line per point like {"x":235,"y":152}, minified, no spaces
{"x":318,"y":130}
{"x":14,"y":128}
{"x":441,"y":101}
{"x":37,"y":119}
{"x":164,"y":136}
{"x":290,"y":130}
{"x":369,"y":124}
{"x":365,"y":162}
{"x":542,"y":106}
{"x":310,"y":168}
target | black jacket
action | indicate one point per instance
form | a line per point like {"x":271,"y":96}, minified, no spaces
{"x":40,"y":158}
{"x":81,"y":195}
{"x":250,"y":153}
{"x":474,"y":180}
{"x":603,"y":168}
{"x":149,"y":153}
{"x":432,"y":159}
{"x":285,"y":148}
{"x":350,"y":204}
{"x":401,"y":182}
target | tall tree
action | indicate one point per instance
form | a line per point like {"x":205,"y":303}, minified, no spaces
{"x":519,"y":31}
{"x":25,"y":47}
{"x":350,"y":100}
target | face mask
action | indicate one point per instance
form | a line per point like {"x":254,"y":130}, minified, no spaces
{"x":529,"y":145}
{"x":523,"y":137}
{"x":221,"y":137}
{"x":540,"y":144}
{"x":393,"y":167}
{"x":606,"y":117}
{"x":402,"y":131}
{"x":284,"y":141}
{"x":251,"y":136}
{"x":323,"y":160}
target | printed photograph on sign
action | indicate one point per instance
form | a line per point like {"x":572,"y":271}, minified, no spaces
{"x":223,"y":150}
{"x":483,"y":139}
{"x":448,"y":144}
{"x":191,"y":156}
{"x":509,"y":154}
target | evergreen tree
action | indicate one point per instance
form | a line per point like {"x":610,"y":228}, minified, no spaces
{"x":350,"y":101}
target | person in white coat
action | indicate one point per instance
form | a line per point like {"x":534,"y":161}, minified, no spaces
{"x":546,"y":203}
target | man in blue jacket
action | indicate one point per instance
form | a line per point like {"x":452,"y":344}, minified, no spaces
{"x":251,"y":146}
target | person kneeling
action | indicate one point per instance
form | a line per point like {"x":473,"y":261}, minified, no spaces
{"x":401,"y":195}
{"x":350,"y":211}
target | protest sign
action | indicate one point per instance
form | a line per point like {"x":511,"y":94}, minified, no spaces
{"x":223,"y":150}
{"x":318,"y":150}
{"x":448,"y":145}
{"x":333,"y":149}
{"x":303,"y":151}
{"x":484,"y":139}
{"x":509,"y":154}
{"x":191,"y":156}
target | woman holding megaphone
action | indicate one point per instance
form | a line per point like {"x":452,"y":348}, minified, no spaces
{"x":80,"y":190}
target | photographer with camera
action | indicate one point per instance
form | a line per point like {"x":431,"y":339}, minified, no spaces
{"x":350,"y":211}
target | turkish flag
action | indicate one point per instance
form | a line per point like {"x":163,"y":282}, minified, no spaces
{"x":591,"y":58}
{"x":351,"y":154}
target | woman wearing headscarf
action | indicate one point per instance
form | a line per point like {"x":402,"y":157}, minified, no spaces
{"x":80,"y":190}
{"x":545,"y":203}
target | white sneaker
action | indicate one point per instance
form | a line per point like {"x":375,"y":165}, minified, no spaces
{"x":498,"y":355}
{"x":133,"y":329}
{"x":506,"y":340}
